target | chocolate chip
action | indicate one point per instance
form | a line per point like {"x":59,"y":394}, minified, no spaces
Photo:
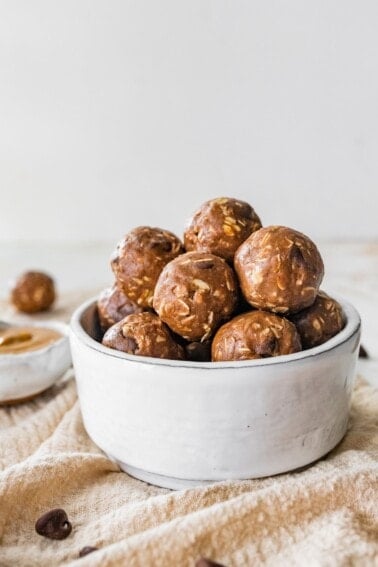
{"x":203,"y":562}
{"x":86,"y":550}
{"x":297,"y":255}
{"x":205,"y":264}
{"x":266,"y":347}
{"x":363,"y":352}
{"x":245,"y":211}
{"x":130,"y":345}
{"x":198,"y":352}
{"x":160,"y":246}
{"x":54,"y":524}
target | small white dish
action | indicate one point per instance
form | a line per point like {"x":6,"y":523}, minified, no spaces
{"x":26,"y":374}
{"x":178,"y":424}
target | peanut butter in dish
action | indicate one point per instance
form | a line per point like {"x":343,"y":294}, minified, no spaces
{"x":17,"y":340}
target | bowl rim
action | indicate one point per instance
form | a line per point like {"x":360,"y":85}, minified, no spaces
{"x":352,"y":326}
{"x":18,"y":357}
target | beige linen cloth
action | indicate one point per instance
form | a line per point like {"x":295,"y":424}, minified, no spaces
{"x":326,"y":514}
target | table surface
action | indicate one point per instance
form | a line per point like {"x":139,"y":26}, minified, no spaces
{"x":351,"y":271}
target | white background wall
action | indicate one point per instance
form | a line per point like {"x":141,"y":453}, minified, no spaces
{"x":115,"y":113}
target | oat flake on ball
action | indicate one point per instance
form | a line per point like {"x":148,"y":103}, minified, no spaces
{"x":140,"y":257}
{"x":220,"y":226}
{"x":194,"y":293}
{"x":279,"y":269}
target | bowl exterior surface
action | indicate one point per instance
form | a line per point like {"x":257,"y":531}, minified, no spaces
{"x":175,"y":425}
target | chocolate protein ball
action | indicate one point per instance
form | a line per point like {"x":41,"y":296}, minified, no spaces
{"x":145,"y":335}
{"x":33,"y":292}
{"x":140,"y":257}
{"x":220,"y":226}
{"x":194,"y":293}
{"x":257,"y":334}
{"x":279,"y":269}
{"x":113,"y":305}
{"x":320,"y":322}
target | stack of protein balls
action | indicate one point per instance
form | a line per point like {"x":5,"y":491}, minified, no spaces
{"x":232,"y":291}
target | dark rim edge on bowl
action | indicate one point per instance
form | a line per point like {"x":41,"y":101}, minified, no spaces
{"x":352,"y":326}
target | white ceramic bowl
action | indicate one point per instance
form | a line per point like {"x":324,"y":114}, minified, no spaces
{"x":178,"y":424}
{"x":27,"y":374}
